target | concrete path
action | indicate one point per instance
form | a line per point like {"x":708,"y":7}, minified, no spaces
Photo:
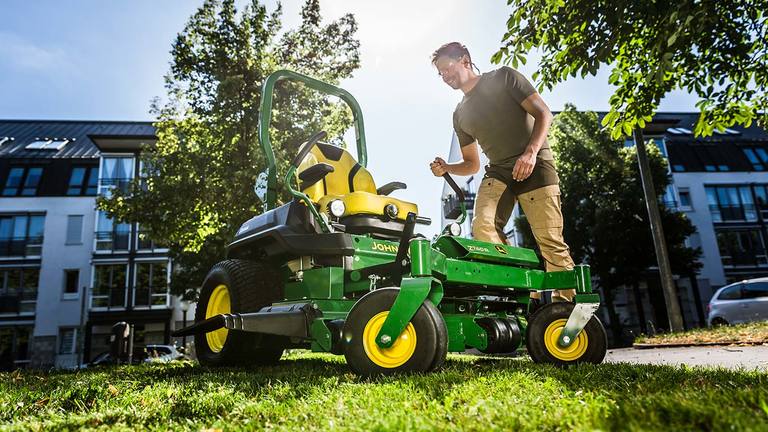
{"x":732,"y":357}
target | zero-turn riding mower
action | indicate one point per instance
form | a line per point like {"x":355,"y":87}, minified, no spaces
{"x":338,"y":269}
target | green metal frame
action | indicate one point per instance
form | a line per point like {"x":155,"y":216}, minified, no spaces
{"x":265,"y":117}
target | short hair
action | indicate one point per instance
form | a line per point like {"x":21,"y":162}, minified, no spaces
{"x":454,"y":50}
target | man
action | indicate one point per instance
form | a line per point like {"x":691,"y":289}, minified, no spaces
{"x":503,"y":114}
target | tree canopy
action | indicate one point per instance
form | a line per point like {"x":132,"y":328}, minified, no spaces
{"x":716,"y":49}
{"x":196,"y":185}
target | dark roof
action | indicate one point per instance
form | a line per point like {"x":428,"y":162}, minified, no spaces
{"x":753,"y":133}
{"x":24,"y":132}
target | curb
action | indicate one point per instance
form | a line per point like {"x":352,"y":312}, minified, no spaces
{"x":682,"y":345}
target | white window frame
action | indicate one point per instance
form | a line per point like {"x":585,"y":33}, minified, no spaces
{"x":59,"y":340}
{"x":167,"y":294}
{"x":64,"y":294}
{"x":93,"y":278}
{"x":681,"y":191}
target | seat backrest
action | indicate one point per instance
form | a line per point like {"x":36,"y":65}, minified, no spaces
{"x":348,"y":175}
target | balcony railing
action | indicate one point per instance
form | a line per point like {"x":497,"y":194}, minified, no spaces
{"x":123,"y":184}
{"x":108,"y":298}
{"x":21,"y":246}
{"x":745,"y":259}
{"x":112,"y":240}
{"x":147,"y":298}
{"x":145,"y":242}
{"x":451,"y":208}
{"x":18,"y":303}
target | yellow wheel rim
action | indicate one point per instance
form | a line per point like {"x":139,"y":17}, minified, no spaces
{"x":571,"y":353}
{"x":398,"y":353}
{"x":218,"y":303}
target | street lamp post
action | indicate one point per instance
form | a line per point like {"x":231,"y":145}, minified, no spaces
{"x":184,"y":305}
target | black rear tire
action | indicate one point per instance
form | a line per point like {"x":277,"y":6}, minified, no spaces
{"x":545,"y":326}
{"x":442,"y":336}
{"x":251,"y":286}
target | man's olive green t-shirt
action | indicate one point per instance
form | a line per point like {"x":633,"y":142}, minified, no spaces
{"x":492,"y":114}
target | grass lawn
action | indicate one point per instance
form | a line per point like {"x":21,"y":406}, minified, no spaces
{"x":751,"y":333}
{"x":317,"y":392}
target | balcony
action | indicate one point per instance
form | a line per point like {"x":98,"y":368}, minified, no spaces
{"x":107,"y":184}
{"x":145,"y":243}
{"x":112,"y":240}
{"x":451,"y":208}
{"x":108,"y":298}
{"x":21,"y":246}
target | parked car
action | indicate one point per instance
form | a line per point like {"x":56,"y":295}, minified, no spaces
{"x":146,"y":354}
{"x":161,"y":353}
{"x":739,"y":302}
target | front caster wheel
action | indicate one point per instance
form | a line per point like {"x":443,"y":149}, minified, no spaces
{"x":421,"y":347}
{"x":543,"y":332}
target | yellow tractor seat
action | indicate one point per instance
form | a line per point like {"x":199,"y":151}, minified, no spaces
{"x":351,"y":183}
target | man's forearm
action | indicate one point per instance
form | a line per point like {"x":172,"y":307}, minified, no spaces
{"x":463,"y":168}
{"x":539,"y":133}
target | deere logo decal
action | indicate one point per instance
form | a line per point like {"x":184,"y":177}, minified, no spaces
{"x":477,"y":248}
{"x":501,"y":250}
{"x":381,"y":247}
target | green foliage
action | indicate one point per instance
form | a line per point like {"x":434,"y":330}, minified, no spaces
{"x":317,"y":392}
{"x":606,"y":221}
{"x":716,"y":49}
{"x":198,"y":185}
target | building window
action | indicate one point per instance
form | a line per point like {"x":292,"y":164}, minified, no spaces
{"x":731,"y":203}
{"x":18,"y":290}
{"x":47,"y":144}
{"x":14,"y":347}
{"x":83,"y":181}
{"x":22,"y":181}
{"x":742,"y":247}
{"x":67,"y":340}
{"x":116,"y":172}
{"x":74,"y":230}
{"x":685,"y":200}
{"x":151,"y":288}
{"x":109,"y":286}
{"x":757,"y":157}
{"x":669,"y":198}
{"x":111,"y":236}
{"x":21,"y":235}
{"x":761,"y":194}
{"x":71,"y":282}
{"x":145,"y":242}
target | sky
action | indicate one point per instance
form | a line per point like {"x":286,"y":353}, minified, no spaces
{"x":97,"y":60}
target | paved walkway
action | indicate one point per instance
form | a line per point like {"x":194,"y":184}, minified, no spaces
{"x":732,"y":357}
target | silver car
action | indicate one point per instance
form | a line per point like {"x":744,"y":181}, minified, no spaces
{"x":739,"y":302}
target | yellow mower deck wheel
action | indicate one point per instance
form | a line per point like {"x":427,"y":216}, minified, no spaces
{"x":573,"y":352}
{"x":396,"y":355}
{"x":218,"y":304}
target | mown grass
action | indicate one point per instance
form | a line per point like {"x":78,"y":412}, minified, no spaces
{"x":317,"y":392}
{"x":750,"y":333}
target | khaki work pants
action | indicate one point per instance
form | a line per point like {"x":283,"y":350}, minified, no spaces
{"x":493,"y":208}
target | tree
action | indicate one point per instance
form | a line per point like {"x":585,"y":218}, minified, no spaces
{"x":196,"y":187}
{"x":602,"y":200}
{"x":717,"y":49}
